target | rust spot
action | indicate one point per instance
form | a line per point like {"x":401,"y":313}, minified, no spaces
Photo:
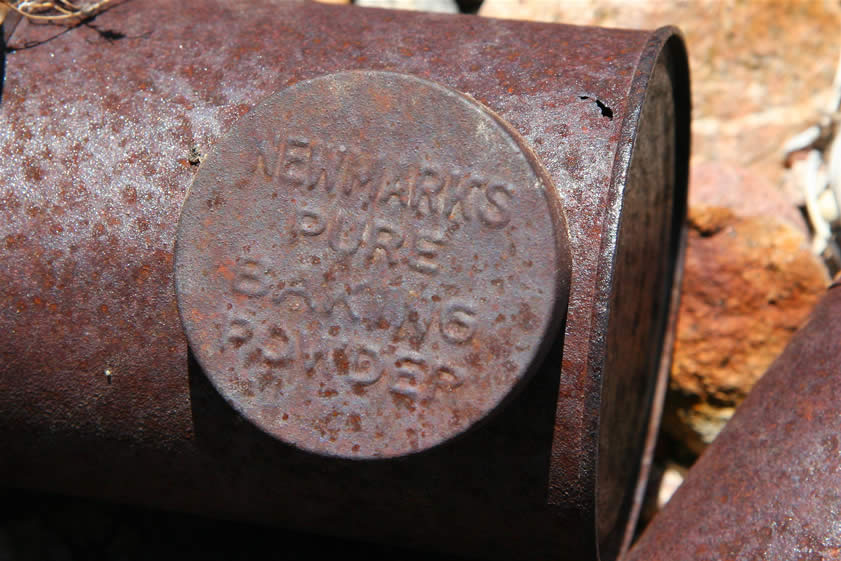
{"x":354,"y":421}
{"x":525,"y":319}
{"x":340,"y":359}
{"x":402,"y":401}
{"x":33,"y":173}
{"x":474,"y":360}
{"x":14,"y":241}
{"x":265,"y":379}
{"x":130,"y":195}
{"x":215,"y":202}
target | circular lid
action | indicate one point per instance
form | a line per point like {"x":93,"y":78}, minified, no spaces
{"x":369,"y":263}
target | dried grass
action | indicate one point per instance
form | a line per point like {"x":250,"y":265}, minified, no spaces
{"x":61,"y":11}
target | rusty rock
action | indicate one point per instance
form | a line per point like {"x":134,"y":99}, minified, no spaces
{"x":722,"y":184}
{"x":749,"y":282}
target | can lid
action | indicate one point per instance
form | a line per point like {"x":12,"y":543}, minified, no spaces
{"x":369,"y":263}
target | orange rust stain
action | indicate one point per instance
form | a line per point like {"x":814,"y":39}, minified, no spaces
{"x":354,"y":422}
{"x":340,"y":359}
{"x":225,"y":269}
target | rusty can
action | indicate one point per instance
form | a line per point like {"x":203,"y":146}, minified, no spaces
{"x":383,"y":275}
{"x":767,"y":487}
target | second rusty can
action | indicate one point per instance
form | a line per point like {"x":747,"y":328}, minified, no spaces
{"x":768,"y":485}
{"x":421,"y":282}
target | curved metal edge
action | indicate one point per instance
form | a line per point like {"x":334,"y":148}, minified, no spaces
{"x":665,"y":41}
{"x":680,"y":233}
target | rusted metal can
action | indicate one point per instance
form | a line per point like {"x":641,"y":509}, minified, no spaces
{"x":767,"y":487}
{"x":418,"y":291}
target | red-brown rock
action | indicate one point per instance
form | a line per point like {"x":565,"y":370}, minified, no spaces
{"x":750,"y":280}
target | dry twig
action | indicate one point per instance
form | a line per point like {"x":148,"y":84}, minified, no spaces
{"x":819,"y":175}
{"x":63,"y":11}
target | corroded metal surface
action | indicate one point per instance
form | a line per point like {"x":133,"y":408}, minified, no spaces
{"x":767,"y":487}
{"x":8,"y":25}
{"x":95,"y":370}
{"x":369,"y":263}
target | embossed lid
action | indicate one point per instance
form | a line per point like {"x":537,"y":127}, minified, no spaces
{"x":369,"y":263}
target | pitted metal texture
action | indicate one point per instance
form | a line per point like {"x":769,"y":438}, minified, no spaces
{"x":369,"y":263}
{"x":102,"y":139}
